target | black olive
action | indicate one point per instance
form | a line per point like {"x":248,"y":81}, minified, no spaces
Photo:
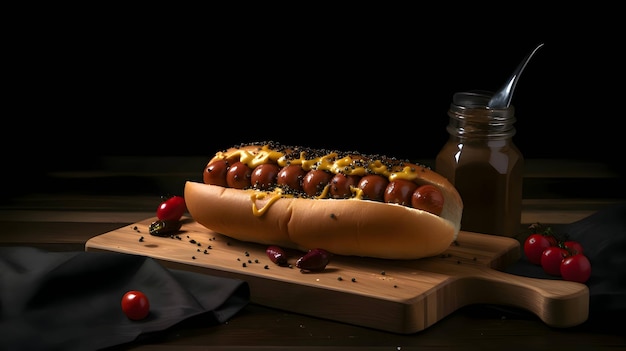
{"x":164,"y":228}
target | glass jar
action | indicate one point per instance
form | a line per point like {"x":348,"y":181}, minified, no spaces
{"x":482,"y":162}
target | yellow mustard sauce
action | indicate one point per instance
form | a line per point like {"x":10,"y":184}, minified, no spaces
{"x":258,"y":195}
{"x":324,"y":192}
{"x":358,"y":193}
{"x":378,"y":167}
{"x":326,"y":163}
{"x":347,"y":166}
{"x":329,"y":162}
{"x":408,"y":173}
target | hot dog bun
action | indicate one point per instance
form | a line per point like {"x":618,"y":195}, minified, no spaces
{"x":350,"y":226}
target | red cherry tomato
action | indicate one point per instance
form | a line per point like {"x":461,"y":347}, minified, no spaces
{"x":576,"y":268}
{"x":534,"y":246}
{"x":551,"y":259}
{"x":171,"y":209}
{"x":573,"y":247}
{"x":135,"y":305}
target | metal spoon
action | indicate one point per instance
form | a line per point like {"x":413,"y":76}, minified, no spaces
{"x":502,"y":99}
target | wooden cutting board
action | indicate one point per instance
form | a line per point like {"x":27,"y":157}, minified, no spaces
{"x":392,"y":295}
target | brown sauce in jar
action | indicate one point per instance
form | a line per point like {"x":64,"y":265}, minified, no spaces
{"x":482,"y":162}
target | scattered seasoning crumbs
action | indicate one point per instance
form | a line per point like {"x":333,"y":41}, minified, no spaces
{"x":192,"y":241}
{"x":247,"y":253}
{"x":135,"y":228}
{"x":141,"y":239}
{"x":249,"y":261}
{"x":206,"y":252}
{"x":244,"y":265}
{"x":266,"y":267}
{"x":199,"y":244}
{"x":353,"y":280}
{"x":333,"y":216}
{"x":395,"y":286}
{"x":256,"y":261}
{"x":383,"y":273}
{"x":456,"y":243}
{"x":198,"y":250}
{"x":339,"y":278}
{"x":193,"y":257}
{"x":238,"y":259}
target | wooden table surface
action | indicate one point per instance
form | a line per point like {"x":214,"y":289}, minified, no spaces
{"x":68,"y":208}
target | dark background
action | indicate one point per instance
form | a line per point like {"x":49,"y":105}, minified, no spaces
{"x":89,"y":88}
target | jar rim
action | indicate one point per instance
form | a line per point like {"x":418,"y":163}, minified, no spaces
{"x":477,"y":100}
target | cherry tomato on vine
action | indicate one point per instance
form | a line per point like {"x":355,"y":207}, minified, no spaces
{"x":573,"y":247}
{"x":551,"y":259}
{"x":534,"y":246}
{"x":171,"y":209}
{"x":135,"y":305}
{"x":576,"y":268}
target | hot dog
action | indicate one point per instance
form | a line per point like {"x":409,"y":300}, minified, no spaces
{"x":344,"y":202}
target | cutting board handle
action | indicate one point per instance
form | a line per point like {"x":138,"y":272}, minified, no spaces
{"x":558,"y":303}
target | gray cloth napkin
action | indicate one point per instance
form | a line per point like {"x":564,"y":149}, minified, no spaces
{"x":603,"y":237}
{"x":72,"y":300}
